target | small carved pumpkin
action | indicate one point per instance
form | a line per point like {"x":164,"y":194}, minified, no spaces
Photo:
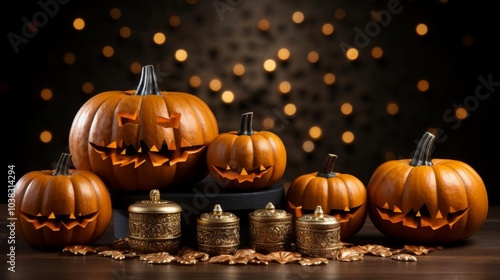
{"x":61,"y":207}
{"x":341,"y":195}
{"x":425,"y":201}
{"x":143,"y":139}
{"x":246,"y":159}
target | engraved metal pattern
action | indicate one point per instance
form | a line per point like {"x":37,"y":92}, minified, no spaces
{"x":151,"y":246}
{"x":270,"y":235}
{"x":320,"y":242}
{"x":154,"y":226}
{"x":218,"y":238}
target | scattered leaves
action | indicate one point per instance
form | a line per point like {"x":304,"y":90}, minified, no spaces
{"x":242,"y":256}
{"x":419,"y":250}
{"x":118,"y":255}
{"x":313,"y":261}
{"x":158,"y":258}
{"x":80,"y":249}
{"x":281,"y":257}
{"x":349,"y":254}
{"x":190,"y":256}
{"x":404,"y":257}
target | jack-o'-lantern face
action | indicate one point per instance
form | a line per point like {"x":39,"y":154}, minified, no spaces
{"x":143,"y":139}
{"x":240,"y":174}
{"x":55,"y":222}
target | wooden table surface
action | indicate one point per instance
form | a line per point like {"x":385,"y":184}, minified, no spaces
{"x":476,"y":258}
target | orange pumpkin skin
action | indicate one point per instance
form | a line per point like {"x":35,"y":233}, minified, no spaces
{"x":61,"y":207}
{"x":342,"y":195}
{"x":246,"y":159}
{"x":424,"y":201}
{"x":144,"y":139}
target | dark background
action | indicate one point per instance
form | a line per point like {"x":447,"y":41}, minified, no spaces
{"x":461,"y":45}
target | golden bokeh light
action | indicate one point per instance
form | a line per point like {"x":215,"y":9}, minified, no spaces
{"x":174,"y":21}
{"x":227,"y":96}
{"x":87,"y":87}
{"x":195,"y":81}
{"x":423,"y":85}
{"x":283,"y":54}
{"x":461,"y":113}
{"x":284,"y":87}
{"x":347,"y":137}
{"x":392,"y":108}
{"x":421,"y":29}
{"x":115,"y":13}
{"x":263,"y":24}
{"x":315,"y":132}
{"x":69,"y":58}
{"x":159,"y":38}
{"x":329,"y":79}
{"x":339,"y":13}
{"x":346,"y":109}
{"x":327,"y":29}
{"x":298,"y":17}
{"x":290,"y":109}
{"x":108,"y":51}
{"x":313,"y":56}
{"x":238,"y":69}
{"x":181,"y":55}
{"x":79,"y":24}
{"x":352,"y":54}
{"x":135,"y":67}
{"x":46,"y":94}
{"x":308,"y":146}
{"x":377,"y":52}
{"x":46,"y":136}
{"x":215,"y":85}
{"x":269,"y":65}
{"x":268,"y":123}
{"x":125,"y":32}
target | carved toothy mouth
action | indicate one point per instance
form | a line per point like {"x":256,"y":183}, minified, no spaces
{"x":243,"y":175}
{"x":54,"y":222}
{"x":123,"y":154}
{"x":421,"y":217}
{"x":341,"y":215}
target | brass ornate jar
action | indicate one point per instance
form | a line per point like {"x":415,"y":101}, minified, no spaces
{"x":154,"y":225}
{"x":270,"y":230}
{"x":218,"y":232}
{"x":318,"y":234}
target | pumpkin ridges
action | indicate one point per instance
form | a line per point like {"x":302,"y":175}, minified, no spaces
{"x":417,"y":193}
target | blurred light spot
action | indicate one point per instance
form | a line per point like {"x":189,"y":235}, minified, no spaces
{"x":421,"y":29}
{"x":269,"y":65}
{"x":313,"y":56}
{"x":377,"y":52}
{"x":159,"y":38}
{"x":108,"y":51}
{"x":239,"y":69}
{"x":327,"y":29}
{"x":215,"y":85}
{"x":347,"y":137}
{"x":69,"y":58}
{"x":227,"y":96}
{"x":268,"y":123}
{"x":181,"y":55}
{"x":467,"y":40}
{"x":423,"y":85}
{"x":79,"y":24}
{"x":125,"y":32}
{"x":461,"y":113}
{"x":352,"y":54}
{"x":174,"y":21}
{"x":315,"y":132}
{"x":46,"y":136}
{"x":284,"y":87}
{"x":308,"y":146}
{"x":339,"y":13}
{"x":290,"y":109}
{"x":298,"y":17}
{"x":283,"y":54}
{"x":135,"y":67}
{"x":376,"y":15}
{"x":115,"y":13}
{"x":46,"y":94}
{"x":263,"y":24}
{"x":346,"y":109}
{"x":87,"y":87}
{"x":329,"y":79}
{"x":392,"y":108}
{"x":195,"y":81}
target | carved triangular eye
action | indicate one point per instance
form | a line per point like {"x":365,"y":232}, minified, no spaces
{"x":126,"y":118}
{"x":173,"y":121}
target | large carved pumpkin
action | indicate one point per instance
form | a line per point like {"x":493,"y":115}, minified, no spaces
{"x":425,"y":201}
{"x":340,"y":195}
{"x":144,"y":139}
{"x":246,"y":159}
{"x":61,"y":207}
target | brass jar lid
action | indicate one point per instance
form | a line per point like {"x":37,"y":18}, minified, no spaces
{"x":154,"y":205}
{"x":270,"y":212}
{"x":218,"y":216}
{"x":319,"y":219}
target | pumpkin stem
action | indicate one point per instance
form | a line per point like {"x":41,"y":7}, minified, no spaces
{"x":422,"y":155}
{"x":328,"y":166}
{"x":147,"y":84}
{"x":246,"y":124}
{"x":62,"y":167}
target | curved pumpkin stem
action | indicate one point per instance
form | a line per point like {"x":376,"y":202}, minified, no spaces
{"x":328,"y":166}
{"x":62,"y":167}
{"x":246,"y":124}
{"x":422,"y":155}
{"x":148,"y":84}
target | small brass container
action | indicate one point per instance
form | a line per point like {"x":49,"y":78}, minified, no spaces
{"x":154,"y":225}
{"x":218,"y":232}
{"x":318,"y":234}
{"x":270,"y":230}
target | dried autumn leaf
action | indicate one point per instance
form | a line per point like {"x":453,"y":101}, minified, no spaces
{"x":158,"y":258}
{"x":281,"y":257}
{"x":80,"y":249}
{"x":220,"y":258}
{"x":377,"y":250}
{"x":313,"y":261}
{"x":117,"y":255}
{"x":121,"y":244}
{"x":404,"y":258}
{"x":349,"y":254}
{"x":419,"y":250}
{"x":189,"y":256}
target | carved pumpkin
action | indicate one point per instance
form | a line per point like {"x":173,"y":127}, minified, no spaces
{"x":61,"y":207}
{"x":246,"y":159}
{"x":143,"y":139}
{"x":341,"y":195}
{"x":425,"y":201}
